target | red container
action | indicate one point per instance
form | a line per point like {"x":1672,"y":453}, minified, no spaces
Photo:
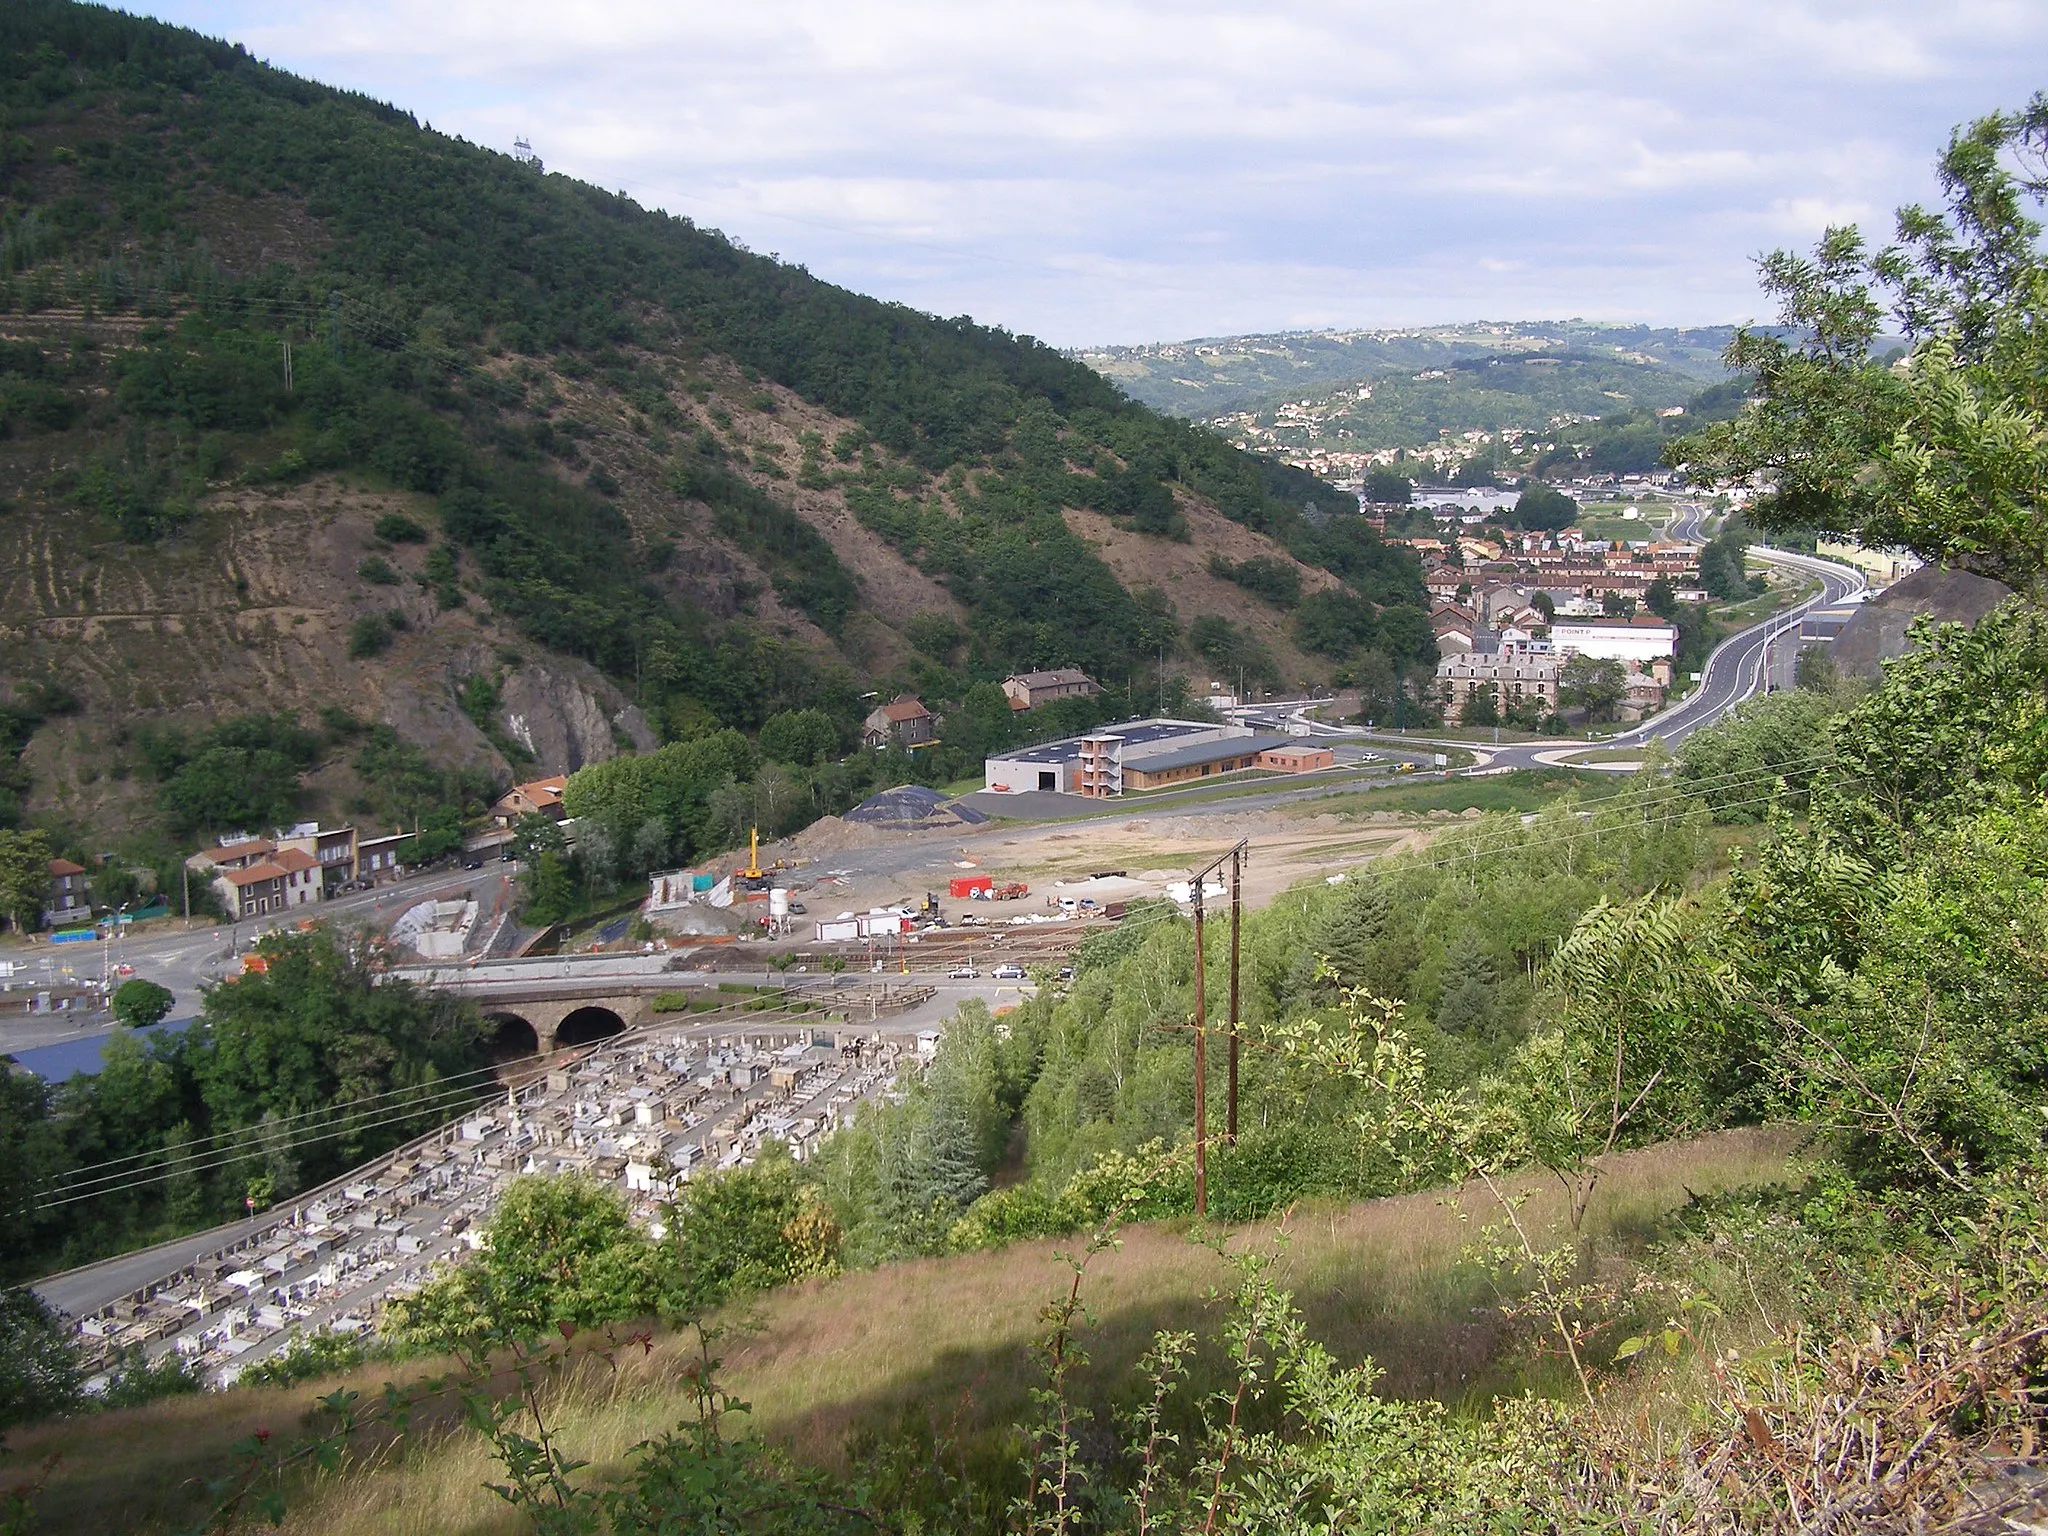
{"x":964,"y":886}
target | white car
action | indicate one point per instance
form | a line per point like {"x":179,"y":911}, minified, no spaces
{"x":963,"y":973}
{"x":1009,"y":970}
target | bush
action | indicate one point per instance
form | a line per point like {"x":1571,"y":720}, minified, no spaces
{"x":307,"y":1358}
{"x":370,"y":635}
{"x":376,"y":569}
{"x":397,"y":528}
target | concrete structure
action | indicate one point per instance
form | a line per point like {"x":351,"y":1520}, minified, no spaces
{"x":436,"y":930}
{"x":1028,"y":690}
{"x":903,"y":722}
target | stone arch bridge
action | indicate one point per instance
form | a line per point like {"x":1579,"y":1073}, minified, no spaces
{"x":529,"y":1020}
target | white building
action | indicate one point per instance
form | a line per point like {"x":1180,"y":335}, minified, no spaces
{"x":1643,"y":640}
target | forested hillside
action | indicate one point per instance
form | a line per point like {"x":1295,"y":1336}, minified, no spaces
{"x":309,"y":408}
{"x":1203,"y":379}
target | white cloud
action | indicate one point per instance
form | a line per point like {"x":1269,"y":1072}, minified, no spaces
{"x":1136,"y":169}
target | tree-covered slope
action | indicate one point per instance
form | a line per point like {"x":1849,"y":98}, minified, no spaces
{"x":243,"y":311}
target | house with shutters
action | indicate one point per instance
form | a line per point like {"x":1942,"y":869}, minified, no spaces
{"x":70,"y":899}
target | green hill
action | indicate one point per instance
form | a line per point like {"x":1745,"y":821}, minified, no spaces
{"x":308,"y":408}
{"x":1574,"y":362}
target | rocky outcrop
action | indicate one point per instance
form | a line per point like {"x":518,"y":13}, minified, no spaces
{"x":566,"y":721}
{"x":1877,"y":633}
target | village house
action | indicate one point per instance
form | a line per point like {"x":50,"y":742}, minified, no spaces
{"x":540,"y":797}
{"x":70,"y":896}
{"x":1028,"y":690}
{"x":903,"y":722}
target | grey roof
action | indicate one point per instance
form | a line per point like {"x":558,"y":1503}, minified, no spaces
{"x":1067,"y":750}
{"x":1206,"y":752}
{"x":1050,"y":679}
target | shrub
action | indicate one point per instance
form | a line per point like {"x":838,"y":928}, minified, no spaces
{"x":397,"y":528}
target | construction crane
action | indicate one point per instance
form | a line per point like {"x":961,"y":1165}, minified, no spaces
{"x":752,"y":877}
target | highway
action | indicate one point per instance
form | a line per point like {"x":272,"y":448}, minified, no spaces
{"x":1739,"y":669}
{"x":1740,"y":665}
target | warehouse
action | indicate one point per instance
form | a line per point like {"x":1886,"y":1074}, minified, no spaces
{"x":1146,"y":754}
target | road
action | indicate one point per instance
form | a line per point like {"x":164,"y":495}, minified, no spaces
{"x":1740,"y":665}
{"x":1738,"y":669}
{"x":188,"y":960}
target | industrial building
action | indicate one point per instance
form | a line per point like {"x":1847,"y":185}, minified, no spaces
{"x":1146,"y":754}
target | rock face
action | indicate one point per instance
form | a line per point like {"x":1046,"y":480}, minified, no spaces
{"x":1877,"y":633}
{"x":566,"y":721}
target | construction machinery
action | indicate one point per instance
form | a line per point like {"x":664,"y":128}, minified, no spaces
{"x":752,"y":878}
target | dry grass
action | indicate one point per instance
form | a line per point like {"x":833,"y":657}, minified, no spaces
{"x":940,"y":1342}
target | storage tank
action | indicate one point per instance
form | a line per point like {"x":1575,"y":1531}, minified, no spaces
{"x":778,"y":902}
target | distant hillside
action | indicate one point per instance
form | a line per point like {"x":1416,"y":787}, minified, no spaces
{"x":304,"y":407}
{"x":1491,"y":383}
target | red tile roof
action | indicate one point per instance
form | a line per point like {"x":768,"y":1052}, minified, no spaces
{"x":62,"y":867}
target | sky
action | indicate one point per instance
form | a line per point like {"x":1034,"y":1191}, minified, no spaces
{"x":1119,"y":171}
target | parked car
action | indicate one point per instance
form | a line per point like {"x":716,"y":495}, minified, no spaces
{"x":963,"y":973}
{"x":797,"y":909}
{"x":472,"y":863}
{"x":1066,"y":973}
{"x":1009,"y":970}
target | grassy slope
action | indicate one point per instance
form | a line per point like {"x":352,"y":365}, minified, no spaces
{"x":941,"y":1342}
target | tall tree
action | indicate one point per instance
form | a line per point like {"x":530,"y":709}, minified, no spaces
{"x":1944,"y":453}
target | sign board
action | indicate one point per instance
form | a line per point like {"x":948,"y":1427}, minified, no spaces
{"x":75,"y":936}
{"x":1441,"y":760}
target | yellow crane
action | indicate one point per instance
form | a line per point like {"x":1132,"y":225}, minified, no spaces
{"x":751,"y":875}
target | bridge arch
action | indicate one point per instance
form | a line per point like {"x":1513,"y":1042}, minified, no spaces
{"x":588,"y":1024}
{"x":508,"y":1036}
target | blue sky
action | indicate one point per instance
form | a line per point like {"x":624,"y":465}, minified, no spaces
{"x":1094,"y":171}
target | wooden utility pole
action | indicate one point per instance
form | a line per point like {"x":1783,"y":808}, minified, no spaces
{"x":1236,"y":919}
{"x":1236,"y":856}
{"x":1201,"y":1062}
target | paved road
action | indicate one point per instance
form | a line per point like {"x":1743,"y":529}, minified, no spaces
{"x":1740,"y":665}
{"x":190,"y":960}
{"x":1738,"y":669}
